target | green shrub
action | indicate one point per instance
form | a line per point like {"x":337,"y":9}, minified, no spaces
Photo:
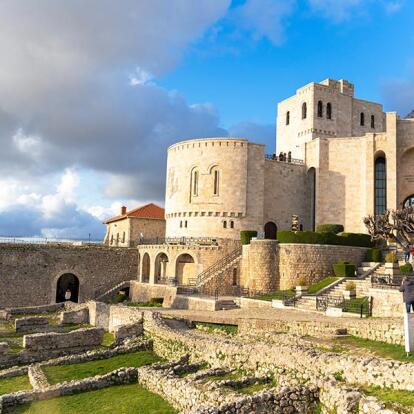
{"x":302,"y":282}
{"x":247,"y":235}
{"x":406,"y":268}
{"x":309,"y":237}
{"x":344,"y":269}
{"x":374,"y":255}
{"x":330,"y":228}
{"x":391,"y":258}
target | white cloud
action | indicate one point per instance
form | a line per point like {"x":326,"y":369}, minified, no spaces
{"x":140,"y":77}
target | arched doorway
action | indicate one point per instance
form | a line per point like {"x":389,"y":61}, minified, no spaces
{"x":270,"y":230}
{"x":161,"y":262}
{"x":185,"y":269}
{"x":145,"y":274}
{"x":66,"y":282}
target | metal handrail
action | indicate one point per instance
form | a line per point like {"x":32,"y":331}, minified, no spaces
{"x":185,"y":241}
{"x":274,"y":157}
{"x":206,"y":274}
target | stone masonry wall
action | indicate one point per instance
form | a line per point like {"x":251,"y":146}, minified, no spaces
{"x":313,"y":261}
{"x":29,"y":273}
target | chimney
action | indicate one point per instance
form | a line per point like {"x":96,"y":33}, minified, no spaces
{"x":123,"y":210}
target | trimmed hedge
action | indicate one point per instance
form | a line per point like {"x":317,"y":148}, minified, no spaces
{"x":406,"y":268}
{"x":344,"y":269}
{"x":330,"y":228}
{"x":374,"y":255}
{"x":247,"y":235}
{"x":309,"y":237}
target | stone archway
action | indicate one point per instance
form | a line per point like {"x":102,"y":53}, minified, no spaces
{"x":161,"y":262}
{"x":146,"y":266}
{"x":67,"y":282}
{"x":270,"y":230}
{"x":185,"y":269}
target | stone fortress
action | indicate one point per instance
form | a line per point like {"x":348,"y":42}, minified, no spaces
{"x":337,"y":148}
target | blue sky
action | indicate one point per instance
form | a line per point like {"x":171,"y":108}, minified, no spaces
{"x":92,"y":93}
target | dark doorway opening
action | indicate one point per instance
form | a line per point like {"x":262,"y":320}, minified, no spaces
{"x":270,"y":230}
{"x":67,"y":282}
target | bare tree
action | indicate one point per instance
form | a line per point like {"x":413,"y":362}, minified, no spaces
{"x":393,"y":224}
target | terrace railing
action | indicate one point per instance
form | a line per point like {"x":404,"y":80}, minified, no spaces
{"x":185,"y":241}
{"x":288,"y":160}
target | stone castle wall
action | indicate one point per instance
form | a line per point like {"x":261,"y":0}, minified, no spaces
{"x":29,"y":273}
{"x":268,"y":265}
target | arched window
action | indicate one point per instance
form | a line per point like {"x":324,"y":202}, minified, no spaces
{"x":224,"y":224}
{"x":320,"y":109}
{"x":287,"y":117}
{"x":329,"y":110}
{"x":409,"y":201}
{"x":232,"y":224}
{"x":304,"y":110}
{"x":380,"y":186}
{"x":185,"y":224}
{"x":195,"y":183}
{"x":362,"y":119}
{"x":372,"y":121}
{"x":181,"y":223}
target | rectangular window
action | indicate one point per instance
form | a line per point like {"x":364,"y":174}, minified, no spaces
{"x":123,"y":237}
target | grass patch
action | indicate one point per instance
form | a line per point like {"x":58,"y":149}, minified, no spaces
{"x":14,"y":340}
{"x":122,"y":399}
{"x":217,"y":328}
{"x":388,"y":395}
{"x":381,"y":349}
{"x":108,"y":339}
{"x":153,"y":303}
{"x":13,"y":384}
{"x":354,"y":305}
{"x":60,"y":373}
{"x":316,"y":287}
{"x":278,"y":294}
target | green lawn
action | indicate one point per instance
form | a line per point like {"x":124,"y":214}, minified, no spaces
{"x":123,"y":399}
{"x":278,"y":294}
{"x":381,"y":349}
{"x":316,"y":287}
{"x":14,"y":340}
{"x":405,"y":398}
{"x":13,"y":384}
{"x":108,"y":339}
{"x":153,"y":303}
{"x":60,"y":373}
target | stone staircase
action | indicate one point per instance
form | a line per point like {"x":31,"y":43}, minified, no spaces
{"x":335,"y":290}
{"x":108,"y":293}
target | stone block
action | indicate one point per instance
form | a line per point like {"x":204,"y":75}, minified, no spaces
{"x":75,"y":316}
{"x":132,"y":330}
{"x":278,"y":304}
{"x":30,"y":324}
{"x":4,"y":348}
{"x":332,"y":311}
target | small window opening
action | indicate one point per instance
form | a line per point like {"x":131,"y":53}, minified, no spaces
{"x":320,"y":109}
{"x":287,"y":117}
{"x":362,"y":119}
{"x":329,"y":110}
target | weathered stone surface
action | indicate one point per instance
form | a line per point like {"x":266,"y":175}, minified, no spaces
{"x":31,"y":324}
{"x":77,"y":316}
{"x":132,"y":330}
{"x":4,"y":348}
{"x":81,"y":338}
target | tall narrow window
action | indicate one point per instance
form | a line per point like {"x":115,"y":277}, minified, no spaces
{"x":372,"y":121}
{"x":123,"y":237}
{"x":329,"y":110}
{"x":320,"y":109}
{"x":362,"y":119}
{"x":185,"y":224}
{"x":304,"y":110}
{"x":194,"y":183}
{"x":232,"y":224}
{"x":216,"y":182}
{"x":224,"y":224}
{"x":380,"y":186}
{"x":287,"y":117}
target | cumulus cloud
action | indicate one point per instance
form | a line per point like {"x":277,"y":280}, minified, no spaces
{"x":265,"y":18}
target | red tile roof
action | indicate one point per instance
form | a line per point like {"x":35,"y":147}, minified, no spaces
{"x":150,"y":211}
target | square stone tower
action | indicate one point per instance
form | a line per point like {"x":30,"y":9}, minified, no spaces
{"x":322,"y":110}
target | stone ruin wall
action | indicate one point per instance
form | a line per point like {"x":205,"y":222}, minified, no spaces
{"x":29,"y":272}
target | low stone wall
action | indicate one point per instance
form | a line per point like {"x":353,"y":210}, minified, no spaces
{"x":37,"y":377}
{"x":4,"y":348}
{"x":387,"y":303}
{"x":9,"y":312}
{"x":123,"y":315}
{"x":77,"y":316}
{"x":99,"y":314}
{"x":246,"y":303}
{"x":384,"y":330}
{"x":31,"y":324}
{"x":194,"y":303}
{"x":79,"y":339}
{"x":144,"y":292}
{"x":131,"y":330}
{"x":120,"y":376}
